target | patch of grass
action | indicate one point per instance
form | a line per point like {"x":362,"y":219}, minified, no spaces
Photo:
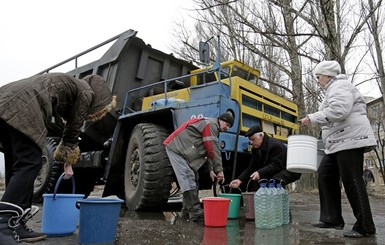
{"x":2,"y":183}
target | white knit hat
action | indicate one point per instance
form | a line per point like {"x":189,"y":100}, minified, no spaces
{"x":328,"y":68}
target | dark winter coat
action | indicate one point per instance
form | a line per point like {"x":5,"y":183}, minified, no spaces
{"x":368,"y":175}
{"x":29,"y":105}
{"x":270,"y":162}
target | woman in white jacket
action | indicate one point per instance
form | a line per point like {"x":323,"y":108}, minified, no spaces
{"x":347,"y":134}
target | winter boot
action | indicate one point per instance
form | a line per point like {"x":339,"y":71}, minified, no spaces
{"x":184,"y":213}
{"x":25,"y":233}
{"x":9,"y":214}
{"x":192,"y":204}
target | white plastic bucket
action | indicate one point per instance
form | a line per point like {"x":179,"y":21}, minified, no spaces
{"x":302,"y":154}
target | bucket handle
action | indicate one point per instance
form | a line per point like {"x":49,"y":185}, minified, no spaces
{"x":77,"y":205}
{"x":58,"y":183}
{"x":223,"y":188}
{"x":215,"y":188}
{"x":247,"y":186}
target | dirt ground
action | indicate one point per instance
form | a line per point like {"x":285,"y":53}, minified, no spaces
{"x":167,"y":228}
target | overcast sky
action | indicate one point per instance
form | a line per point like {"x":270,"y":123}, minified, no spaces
{"x":36,"y":34}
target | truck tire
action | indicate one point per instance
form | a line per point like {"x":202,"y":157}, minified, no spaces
{"x":51,"y":170}
{"x":148,"y":173}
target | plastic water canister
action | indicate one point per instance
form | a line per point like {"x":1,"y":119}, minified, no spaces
{"x":285,"y":204}
{"x":263,"y":210}
{"x":276,"y":202}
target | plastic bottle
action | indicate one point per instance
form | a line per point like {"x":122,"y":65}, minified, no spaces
{"x":277,"y":203}
{"x":285,"y":204}
{"x":163,"y":102}
{"x":264,"y":213}
{"x":160,"y":102}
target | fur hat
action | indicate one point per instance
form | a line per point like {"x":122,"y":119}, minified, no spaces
{"x":254,"y":129}
{"x":103,"y":100}
{"x":328,"y":68}
{"x":227,"y":117}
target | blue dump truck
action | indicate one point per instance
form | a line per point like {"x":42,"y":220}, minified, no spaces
{"x":156,"y":93}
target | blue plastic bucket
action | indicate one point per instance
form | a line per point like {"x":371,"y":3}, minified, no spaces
{"x":60,"y":215}
{"x":98,"y":220}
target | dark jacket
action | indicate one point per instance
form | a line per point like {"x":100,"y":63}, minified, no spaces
{"x":368,"y":175}
{"x":270,"y":162}
{"x":28,"y":105}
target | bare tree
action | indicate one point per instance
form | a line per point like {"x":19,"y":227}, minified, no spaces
{"x":375,"y":24}
{"x":286,"y":38}
{"x":375,"y":47}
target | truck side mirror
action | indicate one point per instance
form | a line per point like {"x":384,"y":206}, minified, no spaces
{"x":204,"y":52}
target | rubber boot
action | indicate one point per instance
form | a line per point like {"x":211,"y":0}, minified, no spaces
{"x":9,"y":216}
{"x":192,"y":204}
{"x":184,"y":212}
{"x":25,"y":233}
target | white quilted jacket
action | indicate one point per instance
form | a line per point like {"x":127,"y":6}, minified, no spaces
{"x":343,"y":117}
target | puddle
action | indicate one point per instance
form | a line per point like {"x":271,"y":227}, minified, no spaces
{"x":169,"y":228}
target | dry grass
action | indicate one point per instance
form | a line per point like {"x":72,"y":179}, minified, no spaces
{"x":2,"y":183}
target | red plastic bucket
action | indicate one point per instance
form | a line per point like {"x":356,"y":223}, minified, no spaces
{"x":215,"y":211}
{"x":214,"y":235}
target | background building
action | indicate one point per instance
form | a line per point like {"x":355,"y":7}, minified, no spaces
{"x":375,"y":159}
